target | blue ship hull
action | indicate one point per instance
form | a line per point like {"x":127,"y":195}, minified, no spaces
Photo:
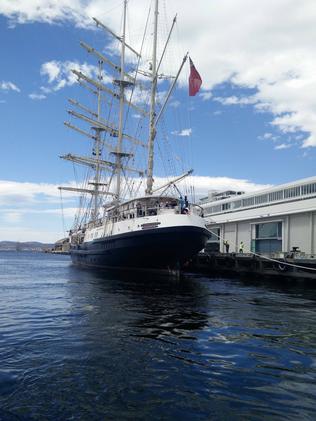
{"x":163,"y":248}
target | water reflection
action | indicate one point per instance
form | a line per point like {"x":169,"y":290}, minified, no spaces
{"x":150,"y":306}
{"x":81,"y":345}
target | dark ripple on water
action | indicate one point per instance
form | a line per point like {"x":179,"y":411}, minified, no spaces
{"x":76,"y":345}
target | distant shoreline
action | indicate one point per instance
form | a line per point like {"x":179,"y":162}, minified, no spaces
{"x":17,"y":246}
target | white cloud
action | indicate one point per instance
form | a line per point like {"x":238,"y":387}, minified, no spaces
{"x":234,"y":100}
{"x":175,"y":103}
{"x":206,"y":95}
{"x":22,"y":233}
{"x":13,"y":214}
{"x":225,"y":183}
{"x":268,"y":46}
{"x":59,"y":74}
{"x":24,"y":197}
{"x":50,"y":11}
{"x":32,"y":211}
{"x":202,"y":184}
{"x":37,"y":96}
{"x":12,"y":217}
{"x":283,"y":146}
{"x":66,"y":212}
{"x":9,"y":86}
{"x":51,"y":69}
{"x":22,"y":194}
{"x":183,"y":132}
{"x":269,"y":136}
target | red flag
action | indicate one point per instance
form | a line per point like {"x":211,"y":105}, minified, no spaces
{"x":195,"y":80}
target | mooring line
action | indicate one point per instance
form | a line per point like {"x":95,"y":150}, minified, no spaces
{"x":267,"y":258}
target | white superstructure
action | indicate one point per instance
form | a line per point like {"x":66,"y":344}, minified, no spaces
{"x":267,"y":221}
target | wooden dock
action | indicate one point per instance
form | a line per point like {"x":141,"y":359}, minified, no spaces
{"x":290,"y":266}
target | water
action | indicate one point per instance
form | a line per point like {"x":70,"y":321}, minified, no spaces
{"x":76,"y":345}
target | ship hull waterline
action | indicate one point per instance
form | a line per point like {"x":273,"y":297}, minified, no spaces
{"x":151,"y":249}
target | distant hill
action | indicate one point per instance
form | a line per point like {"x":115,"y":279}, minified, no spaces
{"x":25,"y":246}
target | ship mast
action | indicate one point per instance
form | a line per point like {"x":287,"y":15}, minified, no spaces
{"x":97,"y":151}
{"x":121,"y":83}
{"x":152,"y":114}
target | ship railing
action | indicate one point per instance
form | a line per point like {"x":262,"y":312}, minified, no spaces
{"x":197,"y":209}
{"x":140,"y":211}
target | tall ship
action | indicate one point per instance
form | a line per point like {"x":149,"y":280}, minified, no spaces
{"x":124,"y":219}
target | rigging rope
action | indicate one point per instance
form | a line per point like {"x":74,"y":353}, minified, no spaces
{"x":62,"y":212}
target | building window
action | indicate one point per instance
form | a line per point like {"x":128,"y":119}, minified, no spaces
{"x":308,"y":188}
{"x":292,"y":192}
{"x":248,"y":202}
{"x":236,"y":204}
{"x":263,"y":198}
{"x":276,"y":195}
{"x":216,"y":208}
{"x":268,"y":237}
{"x":269,"y":230}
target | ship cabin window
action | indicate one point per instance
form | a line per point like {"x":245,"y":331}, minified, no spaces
{"x":150,"y":206}
{"x":268,"y":237}
{"x":225,"y":206}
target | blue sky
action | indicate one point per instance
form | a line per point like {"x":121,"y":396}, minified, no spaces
{"x":252,"y":125}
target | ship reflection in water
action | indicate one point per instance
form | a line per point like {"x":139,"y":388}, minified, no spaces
{"x":82,"y":345}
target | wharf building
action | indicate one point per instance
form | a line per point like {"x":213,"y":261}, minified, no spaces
{"x":276,"y":220}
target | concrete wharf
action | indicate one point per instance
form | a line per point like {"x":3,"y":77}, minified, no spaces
{"x":289,"y":266}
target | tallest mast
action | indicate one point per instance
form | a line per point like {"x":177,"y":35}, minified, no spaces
{"x":152,"y":128}
{"x":121,"y":84}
